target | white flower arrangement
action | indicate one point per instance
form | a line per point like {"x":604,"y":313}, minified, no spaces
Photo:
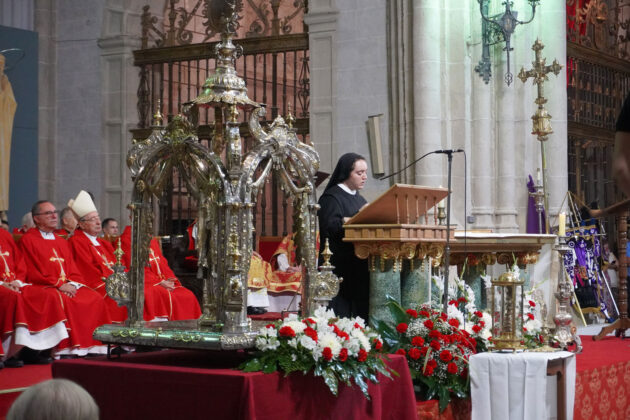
{"x":338,"y":349}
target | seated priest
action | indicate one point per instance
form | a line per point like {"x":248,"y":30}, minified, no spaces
{"x":287,"y":272}
{"x":29,"y":316}
{"x":94,"y":256}
{"x":68,"y":223}
{"x":27,"y":223}
{"x":181,"y":303}
{"x":50,"y":267}
{"x":110,"y":229}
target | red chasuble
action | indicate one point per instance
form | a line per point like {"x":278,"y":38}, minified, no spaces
{"x":50,"y":264}
{"x":34,"y":308}
{"x":182,"y":303}
{"x":94,"y":263}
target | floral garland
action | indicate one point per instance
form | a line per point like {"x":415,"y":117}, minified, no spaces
{"x":337,"y":349}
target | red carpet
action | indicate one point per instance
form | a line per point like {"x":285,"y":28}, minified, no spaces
{"x":13,"y":382}
{"x":602,"y":384}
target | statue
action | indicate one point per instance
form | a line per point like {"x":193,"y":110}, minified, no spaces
{"x":7,"y":112}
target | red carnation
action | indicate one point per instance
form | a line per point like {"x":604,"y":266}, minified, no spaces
{"x":474,"y":342}
{"x":378,"y":344}
{"x":401,"y":351}
{"x":453,"y":322}
{"x":356,"y":325}
{"x":425,"y":314}
{"x":462,"y":300}
{"x":309,"y":321}
{"x":435,"y":334}
{"x":435,"y":345}
{"x":308,"y":331}
{"x":414,"y":353}
{"x":452,"y":302}
{"x":443,"y":316}
{"x":532,"y":303}
{"x":424,"y":350}
{"x":270,"y":326}
{"x":478,"y":314}
{"x":524,"y":329}
{"x":429,"y":324}
{"x":362,"y":357}
{"x":451,"y":368}
{"x":482,"y":323}
{"x":476,"y":328}
{"x":417,"y":341}
{"x":446,"y":356}
{"x":402,"y":328}
{"x":432,"y":364}
{"x":327,"y":353}
{"x":286,"y":331}
{"x":343,"y":355}
{"x":412,"y":313}
{"x":428,"y":371}
{"x":530,"y":316}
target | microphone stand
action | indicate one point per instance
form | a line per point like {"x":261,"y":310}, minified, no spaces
{"x":447,"y":248}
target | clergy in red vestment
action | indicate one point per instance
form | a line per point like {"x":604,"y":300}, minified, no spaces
{"x":182,"y":302}
{"x":29,"y":316}
{"x":50,"y":266}
{"x":93,"y":256}
{"x":68,"y":223}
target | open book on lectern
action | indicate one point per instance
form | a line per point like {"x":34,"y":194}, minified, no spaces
{"x":400,"y":204}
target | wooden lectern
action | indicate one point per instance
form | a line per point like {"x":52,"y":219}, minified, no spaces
{"x":396,"y":227}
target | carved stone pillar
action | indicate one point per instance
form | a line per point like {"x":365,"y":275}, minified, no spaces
{"x":322,"y":25}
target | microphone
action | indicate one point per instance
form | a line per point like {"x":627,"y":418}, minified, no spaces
{"x":448,"y":151}
{"x":445,"y":151}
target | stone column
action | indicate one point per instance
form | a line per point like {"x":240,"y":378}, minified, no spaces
{"x":45,"y":25}
{"x":322,"y":24}
{"x":120,"y":36}
{"x":427,"y":90}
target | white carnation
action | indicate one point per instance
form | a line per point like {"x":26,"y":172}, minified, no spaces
{"x":297,"y":326}
{"x":533,"y":325}
{"x":330,"y":340}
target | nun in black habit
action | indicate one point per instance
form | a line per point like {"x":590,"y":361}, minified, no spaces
{"x":339,"y":202}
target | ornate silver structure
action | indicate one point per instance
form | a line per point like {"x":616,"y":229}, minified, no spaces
{"x":226,"y":183}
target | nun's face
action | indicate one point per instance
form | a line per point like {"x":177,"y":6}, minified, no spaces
{"x":358,"y":176}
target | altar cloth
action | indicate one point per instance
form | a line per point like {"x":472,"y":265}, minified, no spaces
{"x":193,"y":384}
{"x":515,"y":386}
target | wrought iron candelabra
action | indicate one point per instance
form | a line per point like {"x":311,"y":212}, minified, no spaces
{"x":496,"y":29}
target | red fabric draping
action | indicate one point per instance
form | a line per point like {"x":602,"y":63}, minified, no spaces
{"x":188,"y":384}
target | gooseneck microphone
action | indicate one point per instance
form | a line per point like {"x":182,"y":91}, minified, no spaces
{"x":449,"y":151}
{"x":444,"y":151}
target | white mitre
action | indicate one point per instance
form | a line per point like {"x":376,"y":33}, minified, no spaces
{"x":82,"y":205}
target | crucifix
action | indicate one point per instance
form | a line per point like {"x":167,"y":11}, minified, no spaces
{"x":156,"y":259}
{"x":62,"y":272}
{"x":8,"y":273}
{"x":541,"y":120}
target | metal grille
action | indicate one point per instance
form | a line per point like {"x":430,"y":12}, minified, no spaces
{"x":276,"y":71}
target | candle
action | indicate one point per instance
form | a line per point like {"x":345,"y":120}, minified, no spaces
{"x":538,"y":177}
{"x":442,"y":203}
{"x":562,"y":229}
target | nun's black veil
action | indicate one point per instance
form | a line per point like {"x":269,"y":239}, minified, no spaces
{"x":343,"y":169}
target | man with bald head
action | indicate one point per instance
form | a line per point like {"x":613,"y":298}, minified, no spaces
{"x":50,"y":265}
